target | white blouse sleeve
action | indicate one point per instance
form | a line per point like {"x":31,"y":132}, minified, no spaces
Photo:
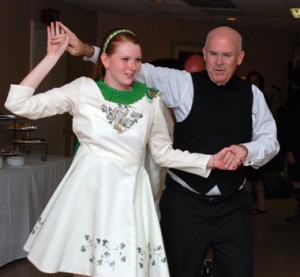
{"x":160,"y":145}
{"x":22,"y":101}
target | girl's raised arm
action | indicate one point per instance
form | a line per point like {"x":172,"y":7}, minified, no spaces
{"x":57,"y":43}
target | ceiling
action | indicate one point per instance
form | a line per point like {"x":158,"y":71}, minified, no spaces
{"x":263,"y":14}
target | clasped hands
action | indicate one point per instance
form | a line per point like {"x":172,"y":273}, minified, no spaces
{"x":229,"y":158}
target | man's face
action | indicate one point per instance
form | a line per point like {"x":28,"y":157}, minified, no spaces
{"x":222,"y":56}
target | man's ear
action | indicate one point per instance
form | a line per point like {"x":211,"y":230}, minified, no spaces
{"x":105,"y":60}
{"x":204,"y":53}
{"x":241,"y":57}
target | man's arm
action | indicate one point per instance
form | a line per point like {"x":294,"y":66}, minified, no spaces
{"x":78,"y":48}
{"x":264,"y":145}
{"x":176,"y":87}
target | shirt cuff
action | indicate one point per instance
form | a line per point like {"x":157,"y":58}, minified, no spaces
{"x":252,"y":153}
{"x":95,"y":57}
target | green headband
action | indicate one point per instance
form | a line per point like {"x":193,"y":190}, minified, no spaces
{"x":114,"y":34}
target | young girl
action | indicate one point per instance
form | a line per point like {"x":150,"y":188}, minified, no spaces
{"x":101,"y":220}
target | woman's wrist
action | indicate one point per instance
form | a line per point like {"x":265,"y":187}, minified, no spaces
{"x":211,"y":162}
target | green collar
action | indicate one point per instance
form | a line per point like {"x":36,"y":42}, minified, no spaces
{"x":122,"y":97}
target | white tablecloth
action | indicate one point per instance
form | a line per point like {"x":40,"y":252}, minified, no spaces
{"x":24,"y":192}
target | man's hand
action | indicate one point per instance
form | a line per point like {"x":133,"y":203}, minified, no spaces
{"x":236,"y":156}
{"x":218,"y":160}
{"x":229,"y":158}
{"x":76,"y":47}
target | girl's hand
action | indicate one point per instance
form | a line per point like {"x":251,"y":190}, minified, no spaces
{"x":58,"y":40}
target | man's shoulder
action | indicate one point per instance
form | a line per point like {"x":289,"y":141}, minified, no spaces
{"x":241,"y":82}
{"x":199,"y":76}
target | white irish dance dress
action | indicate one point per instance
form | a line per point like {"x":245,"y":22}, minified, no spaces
{"x":102,"y":219}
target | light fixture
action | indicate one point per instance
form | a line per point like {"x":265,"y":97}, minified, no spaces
{"x":295,"y":12}
{"x":231,"y":18}
{"x":158,"y":1}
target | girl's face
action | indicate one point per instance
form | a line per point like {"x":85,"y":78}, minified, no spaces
{"x":122,"y":66}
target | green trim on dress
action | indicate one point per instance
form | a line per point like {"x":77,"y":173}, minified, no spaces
{"x":122,"y":97}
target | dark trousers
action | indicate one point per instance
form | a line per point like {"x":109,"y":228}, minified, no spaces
{"x":190,"y":225}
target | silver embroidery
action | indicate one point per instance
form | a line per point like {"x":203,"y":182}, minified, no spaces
{"x":120,"y":117}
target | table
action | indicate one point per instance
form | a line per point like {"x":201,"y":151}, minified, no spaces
{"x":24,"y":192}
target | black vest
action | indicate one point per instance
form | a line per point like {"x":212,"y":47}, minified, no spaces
{"x":220,"y":116}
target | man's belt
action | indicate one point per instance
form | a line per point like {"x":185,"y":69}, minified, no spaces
{"x":208,"y":198}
